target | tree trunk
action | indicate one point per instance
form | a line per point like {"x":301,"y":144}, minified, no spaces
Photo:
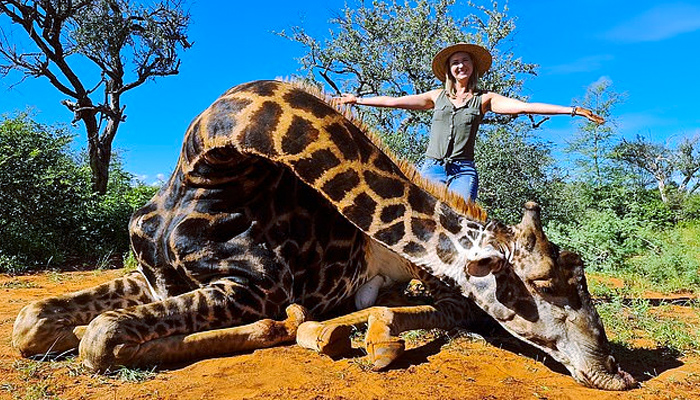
{"x":662,"y":190}
{"x":100,"y":154}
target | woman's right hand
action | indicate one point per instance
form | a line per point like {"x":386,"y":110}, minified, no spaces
{"x":345,"y":98}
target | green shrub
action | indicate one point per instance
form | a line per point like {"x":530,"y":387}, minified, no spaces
{"x":673,"y":261}
{"x":40,"y":188}
{"x":601,"y":238}
{"x":690,"y":210}
{"x":48,"y":214}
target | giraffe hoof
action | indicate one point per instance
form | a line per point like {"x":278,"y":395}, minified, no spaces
{"x":296,"y":315}
{"x":333,"y":340}
{"x":384,"y":353}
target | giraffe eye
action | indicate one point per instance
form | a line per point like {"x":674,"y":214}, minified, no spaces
{"x":543,"y":286}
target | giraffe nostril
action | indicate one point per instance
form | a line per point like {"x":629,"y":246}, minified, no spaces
{"x":611,"y":364}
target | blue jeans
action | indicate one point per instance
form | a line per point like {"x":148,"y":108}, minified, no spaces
{"x":459,"y":176}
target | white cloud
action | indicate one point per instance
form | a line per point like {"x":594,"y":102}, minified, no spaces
{"x":602,"y":80}
{"x":585,"y":64}
{"x":658,"y":23}
{"x":652,"y":122}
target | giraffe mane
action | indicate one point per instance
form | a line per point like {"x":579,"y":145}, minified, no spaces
{"x":468,"y":208}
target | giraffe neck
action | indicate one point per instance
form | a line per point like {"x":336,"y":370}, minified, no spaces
{"x":293,"y":128}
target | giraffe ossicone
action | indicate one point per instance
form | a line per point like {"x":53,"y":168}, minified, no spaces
{"x":283,"y":209}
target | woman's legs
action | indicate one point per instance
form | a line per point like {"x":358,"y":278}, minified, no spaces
{"x":434,"y":170}
{"x":459,"y":176}
{"x":463,"y":179}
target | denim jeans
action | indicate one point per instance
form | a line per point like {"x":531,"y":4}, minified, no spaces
{"x":459,"y":176}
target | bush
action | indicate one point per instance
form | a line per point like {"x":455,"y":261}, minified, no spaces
{"x":48,"y":213}
{"x":690,"y":210}
{"x":603,"y":239}
{"x":673,"y":260}
{"x":514,"y":168}
{"x":40,"y":187}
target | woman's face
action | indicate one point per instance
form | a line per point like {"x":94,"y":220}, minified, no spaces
{"x":460,"y":64}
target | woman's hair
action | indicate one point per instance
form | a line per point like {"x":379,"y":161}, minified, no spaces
{"x":450,"y":80}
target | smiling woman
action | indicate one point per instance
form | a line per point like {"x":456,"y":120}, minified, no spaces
{"x":458,"y":110}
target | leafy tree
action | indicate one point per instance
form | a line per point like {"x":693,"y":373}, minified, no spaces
{"x":652,"y":158}
{"x":687,"y":161}
{"x":387,"y":49}
{"x":514,"y":167}
{"x":593,"y":143}
{"x":128,"y":43}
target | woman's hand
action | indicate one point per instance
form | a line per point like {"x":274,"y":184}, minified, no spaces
{"x":345,"y":98}
{"x":584,"y":112}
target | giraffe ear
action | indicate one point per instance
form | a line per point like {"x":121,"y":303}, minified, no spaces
{"x":484,"y":266}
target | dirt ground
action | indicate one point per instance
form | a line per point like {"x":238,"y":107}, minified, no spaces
{"x":443,"y":368}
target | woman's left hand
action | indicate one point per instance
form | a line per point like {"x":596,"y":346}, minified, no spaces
{"x":584,"y":112}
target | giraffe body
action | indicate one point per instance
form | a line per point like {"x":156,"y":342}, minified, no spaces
{"x":281,"y":209}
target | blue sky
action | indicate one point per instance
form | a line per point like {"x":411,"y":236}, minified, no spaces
{"x":648,"y":49}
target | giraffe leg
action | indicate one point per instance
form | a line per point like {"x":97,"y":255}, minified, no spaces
{"x":384,"y":324}
{"x":203,"y":323}
{"x":55,"y":325}
{"x":332,"y":337}
{"x":199,"y":345}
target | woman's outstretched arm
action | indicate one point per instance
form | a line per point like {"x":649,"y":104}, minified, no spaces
{"x":505,"y":105}
{"x":423,"y":101}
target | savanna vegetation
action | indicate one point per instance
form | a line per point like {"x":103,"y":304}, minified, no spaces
{"x":127,"y":43}
{"x":50,"y":217}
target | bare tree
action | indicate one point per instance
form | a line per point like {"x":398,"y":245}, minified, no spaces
{"x":680,"y":165}
{"x":128,"y":42}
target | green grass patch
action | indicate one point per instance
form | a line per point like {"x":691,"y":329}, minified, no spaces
{"x":38,"y":376}
{"x":125,"y":374}
{"x":419,"y":337}
{"x":672,"y":262}
{"x":18,"y":284}
{"x":129,"y":261}
{"x":628,"y":320}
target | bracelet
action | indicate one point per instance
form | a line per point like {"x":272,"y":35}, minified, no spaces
{"x":573,"y":111}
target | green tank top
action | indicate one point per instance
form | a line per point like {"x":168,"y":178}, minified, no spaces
{"x":453,"y":129}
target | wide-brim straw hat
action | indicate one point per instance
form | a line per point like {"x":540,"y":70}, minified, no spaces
{"x":480,"y":57}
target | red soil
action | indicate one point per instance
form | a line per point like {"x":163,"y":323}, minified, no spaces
{"x":460,"y":368}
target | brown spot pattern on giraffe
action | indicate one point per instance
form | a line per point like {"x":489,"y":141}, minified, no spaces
{"x":338,"y":186}
{"x":299,"y":136}
{"x":256,"y":136}
{"x":361,"y":211}
{"x":302,"y":100}
{"x":221,"y":119}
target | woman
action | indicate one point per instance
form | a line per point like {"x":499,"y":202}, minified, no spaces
{"x":458,"y":109}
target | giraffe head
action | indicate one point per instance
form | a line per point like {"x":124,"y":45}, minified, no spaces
{"x":539,"y":294}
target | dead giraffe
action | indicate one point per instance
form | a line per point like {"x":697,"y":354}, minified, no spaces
{"x":280,"y":203}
